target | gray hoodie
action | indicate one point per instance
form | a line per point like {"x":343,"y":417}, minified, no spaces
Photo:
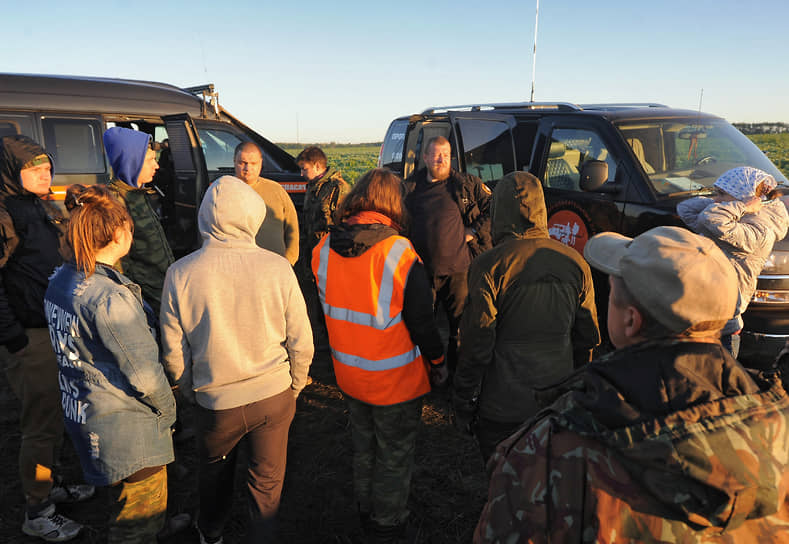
{"x":234,"y":324}
{"x":747,"y":239}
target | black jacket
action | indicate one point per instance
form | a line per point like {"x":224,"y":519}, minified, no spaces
{"x":354,"y":240}
{"x":473,"y":199}
{"x":32,"y":245}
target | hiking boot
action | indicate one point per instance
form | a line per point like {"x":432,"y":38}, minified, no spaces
{"x":205,"y":540}
{"x":51,"y":526}
{"x":67,"y":494}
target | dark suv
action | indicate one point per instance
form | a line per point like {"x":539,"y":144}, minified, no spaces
{"x":605,"y":167}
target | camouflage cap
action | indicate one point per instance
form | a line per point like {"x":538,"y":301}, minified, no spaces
{"x":43,"y":158}
{"x":682,"y":279}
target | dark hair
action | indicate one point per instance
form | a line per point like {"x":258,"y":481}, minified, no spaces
{"x":378,"y":190}
{"x":247,"y":146}
{"x":95,"y":216}
{"x":313,"y":155}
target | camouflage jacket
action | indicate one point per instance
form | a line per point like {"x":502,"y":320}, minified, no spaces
{"x":150,"y":253}
{"x":668,"y":441}
{"x":322,"y":198}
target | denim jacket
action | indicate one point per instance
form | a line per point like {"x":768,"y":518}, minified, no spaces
{"x":117,"y":403}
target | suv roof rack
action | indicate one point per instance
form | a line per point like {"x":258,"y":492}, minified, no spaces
{"x":622,"y":105}
{"x":209,"y":96}
{"x":561,"y":106}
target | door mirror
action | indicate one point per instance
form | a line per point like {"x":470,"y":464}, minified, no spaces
{"x":593,"y":175}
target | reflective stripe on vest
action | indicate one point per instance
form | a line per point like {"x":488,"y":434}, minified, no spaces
{"x":375,"y":359}
{"x":381,"y":320}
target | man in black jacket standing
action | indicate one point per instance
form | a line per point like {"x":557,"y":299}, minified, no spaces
{"x":450,"y":224}
{"x":32,"y":245}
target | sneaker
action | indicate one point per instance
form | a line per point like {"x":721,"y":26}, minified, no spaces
{"x":205,"y":540}
{"x":51,"y":526}
{"x":67,"y":494}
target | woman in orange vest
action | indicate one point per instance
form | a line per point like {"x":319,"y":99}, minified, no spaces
{"x":385,"y":345}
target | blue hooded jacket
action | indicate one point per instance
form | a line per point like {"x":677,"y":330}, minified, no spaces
{"x":126,"y":150}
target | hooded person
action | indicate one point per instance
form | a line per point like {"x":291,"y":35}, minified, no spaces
{"x":237,"y":340}
{"x":32,"y":245}
{"x":133,"y":166}
{"x":744,"y":226}
{"x":666,"y":439}
{"x":530,"y":316}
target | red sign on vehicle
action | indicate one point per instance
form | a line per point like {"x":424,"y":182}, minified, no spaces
{"x":568,"y":227}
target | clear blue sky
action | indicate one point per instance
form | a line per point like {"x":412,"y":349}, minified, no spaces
{"x":341,"y":71}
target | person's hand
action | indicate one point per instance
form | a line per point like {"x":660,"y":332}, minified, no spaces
{"x":439,"y":374}
{"x":469,"y":234}
{"x":753,"y":204}
{"x":463,"y":414}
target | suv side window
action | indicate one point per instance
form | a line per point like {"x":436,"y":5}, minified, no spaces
{"x":75,"y":144}
{"x":570,"y":148}
{"x":524,"y":133}
{"x":487,"y":147}
{"x":218,"y":147}
{"x":392,"y":149}
{"x":417,"y":138}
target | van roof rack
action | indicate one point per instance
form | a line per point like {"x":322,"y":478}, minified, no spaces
{"x":209,"y":96}
{"x":561,"y":106}
{"x":622,"y":105}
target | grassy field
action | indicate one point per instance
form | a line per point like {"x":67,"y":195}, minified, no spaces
{"x":355,"y":159}
{"x":776,"y":146}
{"x":352,"y":160}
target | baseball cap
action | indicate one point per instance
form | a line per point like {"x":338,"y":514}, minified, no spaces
{"x":682,"y":279}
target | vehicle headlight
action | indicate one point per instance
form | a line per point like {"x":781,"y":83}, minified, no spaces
{"x":763,"y":296}
{"x":777,"y":263}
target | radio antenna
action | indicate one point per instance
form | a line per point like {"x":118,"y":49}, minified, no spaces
{"x":534,"y":51}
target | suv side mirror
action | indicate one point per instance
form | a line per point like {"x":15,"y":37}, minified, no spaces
{"x":593,"y":175}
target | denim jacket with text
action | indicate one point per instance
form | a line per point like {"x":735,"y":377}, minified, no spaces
{"x":117,"y":404}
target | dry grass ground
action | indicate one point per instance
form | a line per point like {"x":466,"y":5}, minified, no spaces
{"x":447,"y":491}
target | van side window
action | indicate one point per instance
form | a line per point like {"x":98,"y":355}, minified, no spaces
{"x":218,"y":147}
{"x":75,"y":144}
{"x":569,"y":149}
{"x":12,"y":124}
{"x":487,"y":148}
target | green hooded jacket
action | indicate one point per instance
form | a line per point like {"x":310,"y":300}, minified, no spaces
{"x":150,"y":253}
{"x":530,"y":312}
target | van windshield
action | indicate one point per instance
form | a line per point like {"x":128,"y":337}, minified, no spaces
{"x":689,"y":155}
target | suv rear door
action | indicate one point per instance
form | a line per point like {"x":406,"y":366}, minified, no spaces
{"x":487,"y":144}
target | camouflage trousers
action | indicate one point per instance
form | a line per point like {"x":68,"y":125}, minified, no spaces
{"x":138,"y":510}
{"x":384,"y":442}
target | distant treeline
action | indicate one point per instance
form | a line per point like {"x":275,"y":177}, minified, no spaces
{"x":762,"y":128}
{"x":329,"y":144}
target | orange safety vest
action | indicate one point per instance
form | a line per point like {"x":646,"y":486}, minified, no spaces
{"x":375,"y":360}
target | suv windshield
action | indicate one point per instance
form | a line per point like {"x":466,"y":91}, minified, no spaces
{"x":689,"y":155}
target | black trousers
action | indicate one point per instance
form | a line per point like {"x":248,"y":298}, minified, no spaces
{"x":451,"y":292}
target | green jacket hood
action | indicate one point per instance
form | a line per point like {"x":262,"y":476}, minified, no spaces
{"x":518,"y":208}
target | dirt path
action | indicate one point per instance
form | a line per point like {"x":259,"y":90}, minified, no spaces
{"x":447,"y":491}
